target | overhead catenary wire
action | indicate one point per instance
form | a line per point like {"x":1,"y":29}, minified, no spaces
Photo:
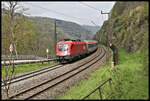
{"x":54,"y":11}
{"x":93,"y":8}
{"x":90,"y":6}
{"x":94,"y":23}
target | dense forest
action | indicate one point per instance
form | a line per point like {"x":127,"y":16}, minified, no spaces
{"x":127,"y":27}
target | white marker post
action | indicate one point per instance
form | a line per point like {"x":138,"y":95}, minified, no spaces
{"x":11,"y":48}
{"x":47,"y":53}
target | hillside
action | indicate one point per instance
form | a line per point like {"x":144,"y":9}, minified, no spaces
{"x":93,"y":29}
{"x":45,"y":26}
{"x":127,"y":27}
{"x":68,"y":29}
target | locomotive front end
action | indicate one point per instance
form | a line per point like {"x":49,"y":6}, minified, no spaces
{"x":62,"y":52}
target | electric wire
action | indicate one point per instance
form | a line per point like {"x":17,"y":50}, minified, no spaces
{"x":90,"y":6}
{"x":54,"y":11}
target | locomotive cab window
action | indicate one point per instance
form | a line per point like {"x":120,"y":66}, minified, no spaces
{"x":63,"y":47}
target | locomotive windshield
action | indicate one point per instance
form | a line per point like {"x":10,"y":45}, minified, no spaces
{"x":63,"y":47}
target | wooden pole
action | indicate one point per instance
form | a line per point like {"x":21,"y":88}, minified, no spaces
{"x":55,"y":38}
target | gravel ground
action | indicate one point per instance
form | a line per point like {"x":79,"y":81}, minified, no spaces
{"x":38,"y":79}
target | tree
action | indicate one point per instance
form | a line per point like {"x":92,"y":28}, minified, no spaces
{"x":9,"y":30}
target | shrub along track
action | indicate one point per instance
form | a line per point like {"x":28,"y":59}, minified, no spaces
{"x":37,"y":91}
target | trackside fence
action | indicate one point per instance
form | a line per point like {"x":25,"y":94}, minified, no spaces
{"x":99,"y":88}
{"x":23,"y":57}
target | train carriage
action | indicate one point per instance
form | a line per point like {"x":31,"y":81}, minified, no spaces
{"x":91,"y":45}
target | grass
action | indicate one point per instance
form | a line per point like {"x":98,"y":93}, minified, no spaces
{"x":128,"y":80}
{"x":27,"y":67}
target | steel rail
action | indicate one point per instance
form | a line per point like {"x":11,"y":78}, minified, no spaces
{"x":32,"y":74}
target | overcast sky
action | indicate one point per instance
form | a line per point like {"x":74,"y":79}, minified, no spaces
{"x":79,"y":12}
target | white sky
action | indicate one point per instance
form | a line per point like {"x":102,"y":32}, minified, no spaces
{"x":79,"y":12}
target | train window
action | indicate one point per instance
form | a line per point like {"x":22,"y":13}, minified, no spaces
{"x":63,"y":47}
{"x":91,"y":45}
{"x":60,"y":47}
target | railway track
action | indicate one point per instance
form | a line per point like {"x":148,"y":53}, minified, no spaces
{"x":32,"y":74}
{"x":43,"y":86}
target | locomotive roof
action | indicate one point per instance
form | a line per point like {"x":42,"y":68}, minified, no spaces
{"x":64,"y":42}
{"x":90,"y":41}
{"x":70,"y":41}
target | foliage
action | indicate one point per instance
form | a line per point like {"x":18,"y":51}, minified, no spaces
{"x":24,"y":31}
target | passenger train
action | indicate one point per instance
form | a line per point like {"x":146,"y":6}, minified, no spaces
{"x":68,"y":50}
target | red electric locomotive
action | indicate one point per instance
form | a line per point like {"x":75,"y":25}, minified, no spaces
{"x":68,"y":50}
